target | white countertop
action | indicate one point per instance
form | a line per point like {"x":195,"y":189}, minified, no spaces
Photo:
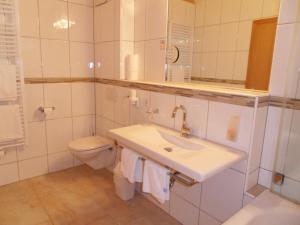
{"x":197,"y":164}
{"x":267,"y":209}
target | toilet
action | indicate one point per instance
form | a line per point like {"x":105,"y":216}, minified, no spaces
{"x":95,"y":151}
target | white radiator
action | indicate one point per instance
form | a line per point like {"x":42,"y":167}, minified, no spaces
{"x":10,"y":57}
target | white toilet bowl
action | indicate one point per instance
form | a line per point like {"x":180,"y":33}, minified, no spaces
{"x":95,"y":151}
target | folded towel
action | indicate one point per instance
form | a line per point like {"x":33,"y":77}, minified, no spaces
{"x":8,"y":84}
{"x":10,"y":123}
{"x":131,"y":165}
{"x":156,"y":181}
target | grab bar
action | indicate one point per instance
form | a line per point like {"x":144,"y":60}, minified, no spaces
{"x":174,"y":175}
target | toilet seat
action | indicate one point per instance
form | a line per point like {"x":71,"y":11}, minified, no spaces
{"x":90,"y":143}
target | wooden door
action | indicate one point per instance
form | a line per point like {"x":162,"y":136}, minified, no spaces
{"x":261,"y":53}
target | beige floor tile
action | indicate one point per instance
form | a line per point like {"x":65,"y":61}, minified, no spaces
{"x":77,"y":196}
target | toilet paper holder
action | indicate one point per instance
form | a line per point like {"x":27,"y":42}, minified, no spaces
{"x":43,"y":109}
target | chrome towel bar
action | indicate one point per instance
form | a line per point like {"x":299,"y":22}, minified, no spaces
{"x":174,"y":175}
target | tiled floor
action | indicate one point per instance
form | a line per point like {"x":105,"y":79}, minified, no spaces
{"x":78,"y":196}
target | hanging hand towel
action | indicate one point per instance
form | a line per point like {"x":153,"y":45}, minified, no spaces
{"x":156,"y":181}
{"x":8,"y":84}
{"x":10,"y":123}
{"x":131,"y":165}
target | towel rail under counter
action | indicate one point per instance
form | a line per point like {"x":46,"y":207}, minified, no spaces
{"x":174,"y":175}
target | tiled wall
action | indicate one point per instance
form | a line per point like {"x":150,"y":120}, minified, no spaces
{"x":150,"y":30}
{"x":50,"y":49}
{"x":282,"y":131}
{"x":222,"y":35}
{"x":218,"y":198}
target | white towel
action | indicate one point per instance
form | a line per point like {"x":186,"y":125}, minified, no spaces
{"x":10,"y":123}
{"x":131,"y":166}
{"x":8,"y":84}
{"x":156,"y":181}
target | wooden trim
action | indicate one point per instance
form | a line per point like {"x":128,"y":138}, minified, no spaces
{"x":240,"y":82}
{"x":57,"y":80}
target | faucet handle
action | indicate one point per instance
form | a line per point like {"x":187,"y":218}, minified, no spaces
{"x":151,"y":112}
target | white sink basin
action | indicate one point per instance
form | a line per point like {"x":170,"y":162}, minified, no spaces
{"x":193,"y":157}
{"x":180,"y":142}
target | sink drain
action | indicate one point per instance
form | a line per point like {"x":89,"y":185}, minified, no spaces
{"x":168,"y":149}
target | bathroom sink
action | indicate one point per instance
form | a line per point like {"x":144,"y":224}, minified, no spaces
{"x":180,"y":142}
{"x":196,"y":158}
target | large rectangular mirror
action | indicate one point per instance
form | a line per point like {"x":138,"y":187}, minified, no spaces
{"x":221,"y":42}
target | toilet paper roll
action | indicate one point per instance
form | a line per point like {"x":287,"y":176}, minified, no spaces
{"x":133,"y":97}
{"x":131,"y":67}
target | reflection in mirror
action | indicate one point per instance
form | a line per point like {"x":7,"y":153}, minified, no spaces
{"x":221,"y":42}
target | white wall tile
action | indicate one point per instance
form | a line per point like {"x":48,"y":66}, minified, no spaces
{"x":29,"y":24}
{"x":105,"y":101}
{"x":82,"y":59}
{"x":55,"y":58}
{"x":138,"y":112}
{"x":139,"y":49}
{"x":165,"y":104}
{"x":207,"y":220}
{"x":200,"y":9}
{"x":211,"y":38}
{"x":31,"y":57}
{"x":191,"y":194}
{"x":8,"y":173}
{"x":252,"y":179}
{"x":230,"y":10}
{"x":222,"y":195}
{"x":258,"y":138}
{"x":105,"y":23}
{"x":271,"y":137}
{"x":59,"y":134}
{"x":83,"y":2}
{"x":83,"y":99}
{"x":183,"y":211}
{"x":291,"y":189}
{"x":34,"y":98}
{"x":53,"y":19}
{"x":9,"y":157}
{"x":244,"y":35}
{"x":84,"y":126}
{"x":126,"y":21}
{"x":60,"y":161}
{"x":281,"y":56}
{"x":225,"y":65}
{"x":241,"y":65}
{"x":228,"y":37}
{"x":104,"y":60}
{"x":218,"y":124}
{"x":155,"y":55}
{"x":156,"y":19}
{"x":140,"y":20}
{"x":265,"y":178}
{"x":288,"y":11}
{"x":213,"y":12}
{"x":121,"y":109}
{"x":82,"y":19}
{"x":209,"y":64}
{"x":58,"y":96}
{"x":103,"y":126}
{"x":36,"y":141}
{"x":251,"y":9}
{"x":33,"y":167}
{"x":271,"y":8}
{"x":197,"y":111}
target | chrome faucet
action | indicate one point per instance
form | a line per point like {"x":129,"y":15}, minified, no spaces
{"x":185,"y":130}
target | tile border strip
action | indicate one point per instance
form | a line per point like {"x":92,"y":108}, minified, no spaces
{"x":58,"y":80}
{"x":227,"y":81}
{"x":234,"y":99}
{"x":185,"y":92}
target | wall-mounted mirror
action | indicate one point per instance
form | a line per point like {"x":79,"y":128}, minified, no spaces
{"x":221,"y":42}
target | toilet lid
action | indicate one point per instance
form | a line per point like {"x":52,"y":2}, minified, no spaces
{"x":90,"y":143}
